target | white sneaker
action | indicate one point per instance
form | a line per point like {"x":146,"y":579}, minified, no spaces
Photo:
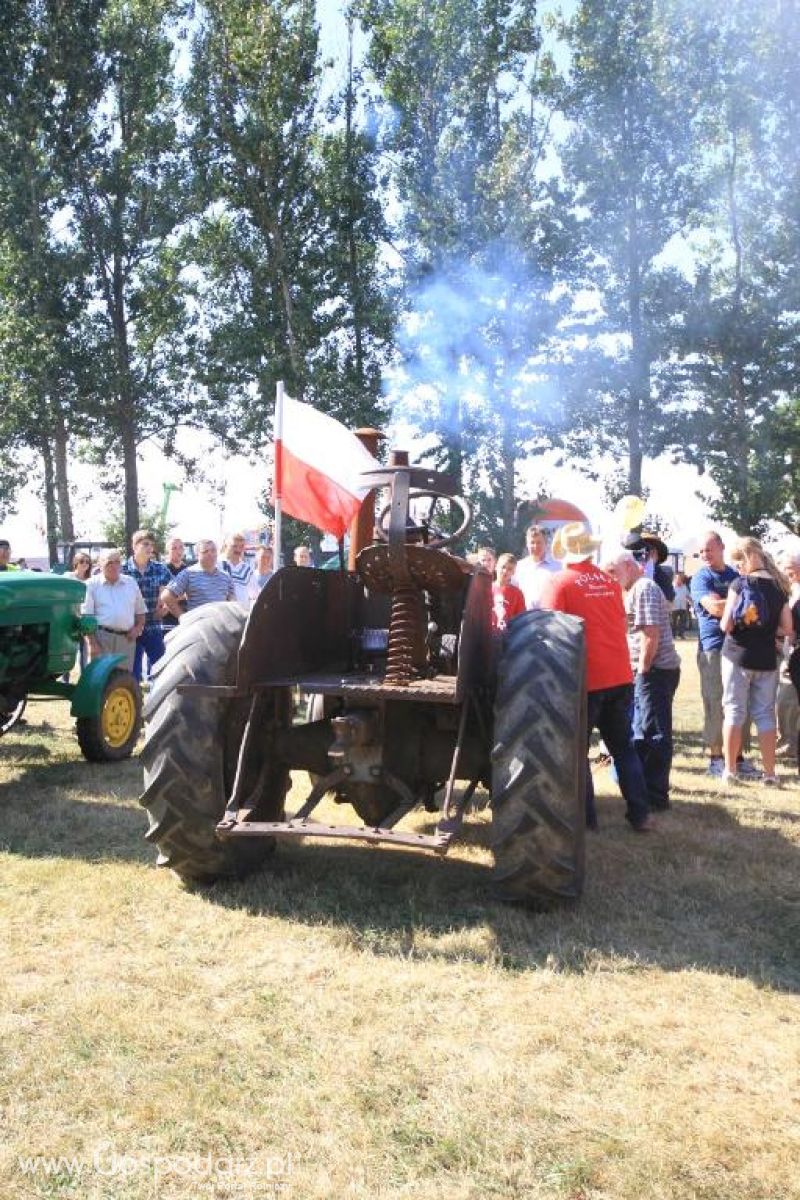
{"x":730,"y":779}
{"x":771,"y":781}
{"x":716,"y":766}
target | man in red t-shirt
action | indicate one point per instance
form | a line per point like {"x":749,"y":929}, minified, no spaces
{"x":583,"y":590}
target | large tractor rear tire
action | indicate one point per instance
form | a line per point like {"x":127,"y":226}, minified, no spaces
{"x":539,"y":761}
{"x":191,"y":750}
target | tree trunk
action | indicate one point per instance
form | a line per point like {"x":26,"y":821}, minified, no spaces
{"x":741,"y":423}
{"x":126,"y":405}
{"x":509,"y":497}
{"x":741,"y":448}
{"x":352,"y":245}
{"x":130,"y":468}
{"x":60,"y":441}
{"x":639,"y":374}
{"x":639,"y":368}
{"x":50,"y":510}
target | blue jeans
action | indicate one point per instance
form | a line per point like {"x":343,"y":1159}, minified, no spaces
{"x":609,"y":711}
{"x":150,"y":642}
{"x":652,"y":729}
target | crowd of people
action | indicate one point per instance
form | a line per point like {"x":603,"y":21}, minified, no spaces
{"x":633,"y":610}
{"x":137,"y":600}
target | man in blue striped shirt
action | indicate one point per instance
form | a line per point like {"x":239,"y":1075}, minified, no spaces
{"x":202,"y":583}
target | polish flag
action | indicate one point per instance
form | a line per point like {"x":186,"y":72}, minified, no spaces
{"x":318,"y":466}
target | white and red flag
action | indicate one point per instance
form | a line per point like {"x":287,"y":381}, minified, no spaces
{"x":318,"y":467}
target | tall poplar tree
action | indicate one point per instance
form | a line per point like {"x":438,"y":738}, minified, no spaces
{"x":636,"y":75}
{"x":129,"y":199}
{"x":484,"y":229}
{"x":740,"y":337}
{"x":290,"y":239}
{"x":43,"y":57}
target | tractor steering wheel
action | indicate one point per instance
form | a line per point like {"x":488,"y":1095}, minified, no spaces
{"x":426,"y":531}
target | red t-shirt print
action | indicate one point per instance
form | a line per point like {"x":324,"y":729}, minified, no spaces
{"x":507,"y":602}
{"x":583,"y":590}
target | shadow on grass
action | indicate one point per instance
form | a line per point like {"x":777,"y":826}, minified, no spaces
{"x":708,"y":893}
{"x":45,"y":812}
{"x":11,"y":752}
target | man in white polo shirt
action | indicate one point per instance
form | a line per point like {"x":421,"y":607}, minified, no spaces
{"x":115,"y":601}
{"x":533,"y":573}
{"x":202,"y":583}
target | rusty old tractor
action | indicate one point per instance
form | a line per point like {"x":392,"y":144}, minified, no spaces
{"x":409,"y":692}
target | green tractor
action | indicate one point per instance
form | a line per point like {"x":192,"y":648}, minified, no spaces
{"x":409,"y":691}
{"x":40,"y":630}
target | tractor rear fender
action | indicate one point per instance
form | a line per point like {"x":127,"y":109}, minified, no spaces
{"x":88,"y":695}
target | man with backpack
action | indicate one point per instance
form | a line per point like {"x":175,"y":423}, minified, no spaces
{"x":756,"y":612}
{"x":709,"y":590}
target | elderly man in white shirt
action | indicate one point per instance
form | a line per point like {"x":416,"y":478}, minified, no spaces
{"x":533,"y":572}
{"x":117,"y":604}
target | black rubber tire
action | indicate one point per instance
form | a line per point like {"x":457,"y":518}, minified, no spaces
{"x":191,"y":750}
{"x":539,"y":761}
{"x":93,"y":733}
{"x":13,"y":717}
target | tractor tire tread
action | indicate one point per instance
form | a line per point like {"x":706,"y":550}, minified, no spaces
{"x":539,"y":761}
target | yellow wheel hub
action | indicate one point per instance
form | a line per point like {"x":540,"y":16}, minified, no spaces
{"x":118,"y":717}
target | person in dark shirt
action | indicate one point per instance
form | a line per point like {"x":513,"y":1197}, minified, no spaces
{"x":749,"y":655}
{"x":175,"y":562}
{"x":651,"y":554}
{"x":789,"y":675}
{"x":709,"y":589}
{"x":151,"y":577}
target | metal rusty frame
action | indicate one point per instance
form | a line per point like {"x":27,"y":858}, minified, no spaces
{"x":438,"y":843}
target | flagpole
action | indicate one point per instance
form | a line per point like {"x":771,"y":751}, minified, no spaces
{"x":277,"y":486}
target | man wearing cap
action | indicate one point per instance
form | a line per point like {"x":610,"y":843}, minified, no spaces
{"x":651,"y":553}
{"x":584,"y":591}
{"x":115,"y":600}
{"x":534,"y":571}
{"x":657,"y":672}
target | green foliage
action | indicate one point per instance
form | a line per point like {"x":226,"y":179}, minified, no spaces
{"x":127,"y":187}
{"x":293,"y":283}
{"x":735,"y":374}
{"x":114,"y":530}
{"x":632,"y":152}
{"x":42,"y":58}
{"x":601,"y":256}
{"x":487,"y":236}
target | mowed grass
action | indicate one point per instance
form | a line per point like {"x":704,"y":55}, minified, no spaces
{"x":362,"y":1023}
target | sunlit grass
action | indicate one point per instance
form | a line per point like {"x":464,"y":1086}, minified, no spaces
{"x":367,"y":1023}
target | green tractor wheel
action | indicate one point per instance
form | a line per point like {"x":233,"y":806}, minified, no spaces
{"x":112,"y":734}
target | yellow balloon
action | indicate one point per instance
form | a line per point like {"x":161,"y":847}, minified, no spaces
{"x":630,"y":512}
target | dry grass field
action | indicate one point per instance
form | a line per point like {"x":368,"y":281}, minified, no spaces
{"x":369,"y":1024}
